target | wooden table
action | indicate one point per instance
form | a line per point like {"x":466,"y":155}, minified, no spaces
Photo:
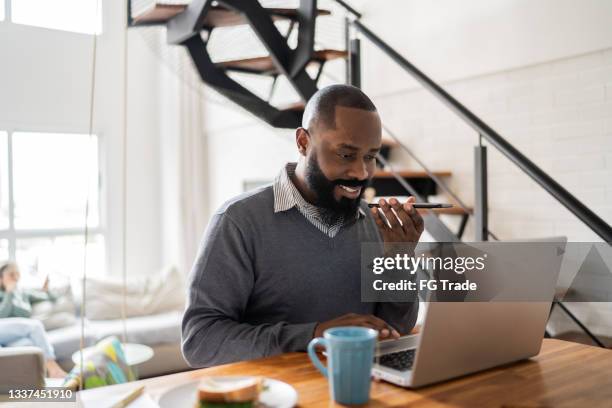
{"x":564,"y":374}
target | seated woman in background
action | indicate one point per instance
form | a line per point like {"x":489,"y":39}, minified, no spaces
{"x":16,"y":327}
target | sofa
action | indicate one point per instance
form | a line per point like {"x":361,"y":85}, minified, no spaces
{"x":154,"y":308}
{"x":21,"y":367}
{"x":24,"y":366}
{"x":161,"y":332}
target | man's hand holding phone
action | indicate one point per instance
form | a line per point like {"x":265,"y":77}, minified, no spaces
{"x":398,"y":222}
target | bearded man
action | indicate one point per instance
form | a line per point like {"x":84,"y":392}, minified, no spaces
{"x":279,"y":265}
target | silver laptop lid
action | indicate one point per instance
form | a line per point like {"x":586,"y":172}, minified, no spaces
{"x":460,"y":338}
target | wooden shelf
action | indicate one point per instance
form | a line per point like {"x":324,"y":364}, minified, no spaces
{"x":217,"y":16}
{"x":295,"y":106}
{"x":387,"y":141}
{"x":265,"y":65}
{"x":158,"y":13}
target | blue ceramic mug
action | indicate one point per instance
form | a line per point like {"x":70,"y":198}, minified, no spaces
{"x":350,"y":352}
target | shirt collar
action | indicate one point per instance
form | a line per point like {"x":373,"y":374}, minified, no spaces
{"x":286,"y":194}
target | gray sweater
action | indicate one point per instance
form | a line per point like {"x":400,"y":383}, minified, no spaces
{"x":263,"y":280}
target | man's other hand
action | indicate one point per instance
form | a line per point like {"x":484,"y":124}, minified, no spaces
{"x":405,"y":224}
{"x":385,"y":330}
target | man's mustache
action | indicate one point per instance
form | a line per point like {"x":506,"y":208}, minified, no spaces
{"x":351,"y":183}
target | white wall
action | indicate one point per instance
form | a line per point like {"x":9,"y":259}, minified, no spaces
{"x":242,"y":148}
{"x":558,"y":114}
{"x":452,"y":40}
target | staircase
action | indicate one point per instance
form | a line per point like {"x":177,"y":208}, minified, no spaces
{"x":191,"y":24}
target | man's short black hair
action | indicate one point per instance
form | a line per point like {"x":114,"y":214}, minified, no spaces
{"x":321,"y":108}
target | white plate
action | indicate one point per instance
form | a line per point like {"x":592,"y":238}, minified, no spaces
{"x":134,"y":353}
{"x":277,"y":394}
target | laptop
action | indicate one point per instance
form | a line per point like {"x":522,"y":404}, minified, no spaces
{"x":463,"y":338}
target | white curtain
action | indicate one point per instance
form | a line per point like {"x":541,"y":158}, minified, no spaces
{"x":193,"y":174}
{"x":183,"y":158}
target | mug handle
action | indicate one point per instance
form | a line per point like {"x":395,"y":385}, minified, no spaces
{"x":313,"y":355}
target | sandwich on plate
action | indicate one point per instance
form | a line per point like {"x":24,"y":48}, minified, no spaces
{"x":229,"y":392}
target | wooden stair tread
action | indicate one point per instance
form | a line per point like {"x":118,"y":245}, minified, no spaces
{"x":266,"y":65}
{"x":158,"y":13}
{"x":387,"y":141}
{"x":411,"y":174}
{"x":295,"y":106}
{"x":217,"y":16}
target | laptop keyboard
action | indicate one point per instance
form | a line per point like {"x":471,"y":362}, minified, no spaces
{"x":401,"y":361}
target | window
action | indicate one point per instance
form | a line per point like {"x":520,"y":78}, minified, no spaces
{"x":60,"y":257}
{"x":1,"y":10}
{"x":4,"y":251}
{"x":4,"y":194}
{"x":81,"y":16}
{"x":59,"y":170}
{"x":46,"y":182}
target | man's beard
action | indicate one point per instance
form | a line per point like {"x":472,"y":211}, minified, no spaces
{"x":324,"y":191}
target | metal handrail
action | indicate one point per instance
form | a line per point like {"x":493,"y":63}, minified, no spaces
{"x":432,"y":221}
{"x":351,"y":10}
{"x":562,"y":195}
{"x":430,"y":174}
{"x":439,"y":182}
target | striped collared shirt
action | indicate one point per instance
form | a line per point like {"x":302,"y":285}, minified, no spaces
{"x":287,"y":196}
